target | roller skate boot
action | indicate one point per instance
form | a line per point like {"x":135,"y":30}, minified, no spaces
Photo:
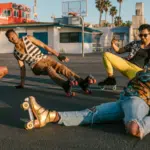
{"x":84,"y":84}
{"x":68,"y":86}
{"x":108,"y":84}
{"x":38,"y":115}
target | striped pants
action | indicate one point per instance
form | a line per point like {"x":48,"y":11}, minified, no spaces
{"x":49,"y":66}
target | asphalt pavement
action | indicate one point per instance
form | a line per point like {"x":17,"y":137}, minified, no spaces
{"x":103,"y":136}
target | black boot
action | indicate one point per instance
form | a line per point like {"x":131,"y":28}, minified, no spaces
{"x":108,"y":82}
{"x":84,"y":84}
{"x":67,"y":86}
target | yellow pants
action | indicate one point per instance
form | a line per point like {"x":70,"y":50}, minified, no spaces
{"x":127,"y":68}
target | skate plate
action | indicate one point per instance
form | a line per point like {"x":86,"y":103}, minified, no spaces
{"x":26,"y":106}
{"x":108,"y":87}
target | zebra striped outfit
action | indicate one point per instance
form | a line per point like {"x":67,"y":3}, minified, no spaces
{"x":33,"y":54}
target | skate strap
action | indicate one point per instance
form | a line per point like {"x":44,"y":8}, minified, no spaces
{"x":52,"y":116}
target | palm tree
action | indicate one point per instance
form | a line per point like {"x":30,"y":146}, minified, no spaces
{"x":120,"y":2}
{"x":107,"y":5}
{"x":100,"y":7}
{"x":113,"y":12}
{"x":128,"y":23}
{"x":118,"y":21}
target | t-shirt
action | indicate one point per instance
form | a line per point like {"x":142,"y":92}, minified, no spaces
{"x":137,"y":55}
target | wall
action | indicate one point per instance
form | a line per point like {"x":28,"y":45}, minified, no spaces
{"x":5,"y":45}
{"x":75,"y":48}
{"x":109,"y":32}
{"x":69,"y":47}
{"x":53,"y":39}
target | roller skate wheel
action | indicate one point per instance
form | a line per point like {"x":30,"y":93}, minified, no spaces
{"x":94,"y":81}
{"x":73,"y":94}
{"x":114,"y":87}
{"x":29,"y":125}
{"x":70,"y":94}
{"x":88,"y":92}
{"x":102,"y":87}
{"x":71,"y":83}
{"x":25,"y":105}
{"x":76,"y":82}
{"x":90,"y":81}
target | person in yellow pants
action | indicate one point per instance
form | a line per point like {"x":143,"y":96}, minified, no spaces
{"x":139,"y":54}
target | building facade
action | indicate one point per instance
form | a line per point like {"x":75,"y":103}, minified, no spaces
{"x":14,"y":13}
{"x":63,"y":38}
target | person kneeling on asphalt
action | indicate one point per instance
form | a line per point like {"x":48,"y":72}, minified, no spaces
{"x":133,"y":108}
{"x":27,"y":50}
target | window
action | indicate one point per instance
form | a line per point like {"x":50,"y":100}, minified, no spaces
{"x":69,"y":37}
{"x":16,"y":13}
{"x":28,"y":16}
{"x":6,"y":13}
{"x":23,"y":15}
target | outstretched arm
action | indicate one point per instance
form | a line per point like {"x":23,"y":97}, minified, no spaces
{"x":46,"y":47}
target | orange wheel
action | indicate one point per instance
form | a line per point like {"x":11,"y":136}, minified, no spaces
{"x":73,"y":94}
{"x":90,"y":81}
{"x":94,"y":81}
{"x":29,"y":125}
{"x":76,"y":83}
{"x":25,"y":105}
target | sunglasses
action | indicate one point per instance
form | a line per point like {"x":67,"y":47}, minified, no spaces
{"x":145,"y":35}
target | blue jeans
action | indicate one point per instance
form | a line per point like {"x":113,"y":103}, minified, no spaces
{"x":128,"y":108}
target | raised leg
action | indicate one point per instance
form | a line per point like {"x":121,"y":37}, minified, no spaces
{"x":62,"y":69}
{"x":66,"y":85}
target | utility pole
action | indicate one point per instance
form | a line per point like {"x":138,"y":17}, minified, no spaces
{"x":34,"y":10}
{"x":82,"y":20}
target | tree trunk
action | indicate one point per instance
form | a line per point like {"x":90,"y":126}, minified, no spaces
{"x":100,"y":18}
{"x":112,"y":19}
{"x":105,"y":16}
{"x":119,"y":9}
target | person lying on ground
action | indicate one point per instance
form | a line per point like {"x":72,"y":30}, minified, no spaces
{"x":132,"y":107}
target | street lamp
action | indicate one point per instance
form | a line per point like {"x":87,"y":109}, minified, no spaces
{"x":82,"y":20}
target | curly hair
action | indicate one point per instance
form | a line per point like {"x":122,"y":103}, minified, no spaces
{"x":144,"y":26}
{"x":9,"y":31}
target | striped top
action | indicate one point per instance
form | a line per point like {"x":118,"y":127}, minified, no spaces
{"x":32,"y":53}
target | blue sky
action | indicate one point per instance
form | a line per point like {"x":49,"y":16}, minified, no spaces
{"x":47,"y":8}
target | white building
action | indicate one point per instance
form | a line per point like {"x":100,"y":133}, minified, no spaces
{"x":63,"y":38}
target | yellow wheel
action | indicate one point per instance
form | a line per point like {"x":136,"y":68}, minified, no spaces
{"x":29,"y":125}
{"x":25,"y":105}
